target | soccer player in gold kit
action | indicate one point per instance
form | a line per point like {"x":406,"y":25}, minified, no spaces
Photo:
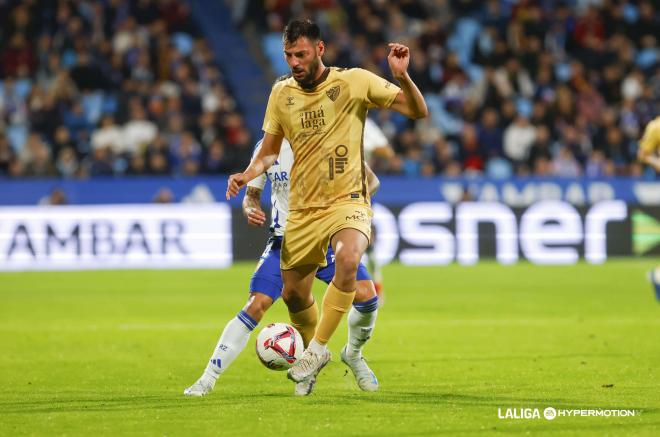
{"x":321,"y":111}
{"x":649,"y":153}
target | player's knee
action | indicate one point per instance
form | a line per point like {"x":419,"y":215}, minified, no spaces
{"x":364,"y":290}
{"x":295,"y":300}
{"x":346,"y":262}
{"x":257,"y":307}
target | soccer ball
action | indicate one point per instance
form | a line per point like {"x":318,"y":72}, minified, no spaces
{"x":279,"y":346}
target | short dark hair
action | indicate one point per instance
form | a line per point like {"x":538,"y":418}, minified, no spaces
{"x":301,"y":28}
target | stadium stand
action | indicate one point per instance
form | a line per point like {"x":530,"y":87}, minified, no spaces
{"x":103,"y":88}
{"x":122,"y":88}
{"x":525,"y":87}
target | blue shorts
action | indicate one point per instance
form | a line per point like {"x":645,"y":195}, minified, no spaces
{"x":267,"y":278}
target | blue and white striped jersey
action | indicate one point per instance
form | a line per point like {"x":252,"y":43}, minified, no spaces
{"x":278,"y":175}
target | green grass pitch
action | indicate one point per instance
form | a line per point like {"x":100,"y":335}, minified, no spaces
{"x":109,"y":353}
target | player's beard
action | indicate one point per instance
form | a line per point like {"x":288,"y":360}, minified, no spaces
{"x":308,"y":79}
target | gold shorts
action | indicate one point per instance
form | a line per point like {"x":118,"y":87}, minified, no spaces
{"x":309,"y":231}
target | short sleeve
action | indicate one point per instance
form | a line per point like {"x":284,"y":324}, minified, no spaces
{"x":380,"y":92}
{"x":258,"y":182}
{"x":272,"y":123}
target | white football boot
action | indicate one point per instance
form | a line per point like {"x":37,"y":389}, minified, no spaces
{"x":199,"y":388}
{"x":310,"y":364}
{"x":305,"y":387}
{"x":364,"y":376}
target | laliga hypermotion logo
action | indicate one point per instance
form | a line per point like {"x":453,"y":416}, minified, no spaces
{"x":551,"y":413}
{"x":526,"y":413}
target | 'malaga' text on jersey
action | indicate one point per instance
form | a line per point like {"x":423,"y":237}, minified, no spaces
{"x":324,"y":125}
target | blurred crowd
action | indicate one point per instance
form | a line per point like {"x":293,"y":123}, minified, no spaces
{"x":115,"y":87}
{"x":518,"y":87}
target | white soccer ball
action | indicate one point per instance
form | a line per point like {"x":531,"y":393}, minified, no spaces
{"x":279,"y":346}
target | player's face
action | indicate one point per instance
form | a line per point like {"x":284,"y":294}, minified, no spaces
{"x":304,"y":59}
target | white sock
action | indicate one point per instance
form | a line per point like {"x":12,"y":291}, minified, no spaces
{"x":233,"y":340}
{"x":317,"y":347}
{"x":360,"y":326}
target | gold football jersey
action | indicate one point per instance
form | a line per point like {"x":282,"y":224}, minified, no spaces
{"x":325,"y":126}
{"x":650,"y":141}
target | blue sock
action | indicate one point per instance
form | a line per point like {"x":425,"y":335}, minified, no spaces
{"x":367,"y":307}
{"x":248,"y":321}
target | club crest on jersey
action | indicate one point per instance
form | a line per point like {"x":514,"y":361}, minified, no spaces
{"x":333,"y":93}
{"x":289,"y":101}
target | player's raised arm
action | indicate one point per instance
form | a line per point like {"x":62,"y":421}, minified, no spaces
{"x":409,"y":101}
{"x":262,"y":160}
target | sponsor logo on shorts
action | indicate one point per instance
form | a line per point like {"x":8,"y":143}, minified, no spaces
{"x":358,"y":216}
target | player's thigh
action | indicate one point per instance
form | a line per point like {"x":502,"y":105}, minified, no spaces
{"x":350,"y":230}
{"x":299,"y":278}
{"x":297,"y":290}
{"x":349,"y":245}
{"x":306,"y":240}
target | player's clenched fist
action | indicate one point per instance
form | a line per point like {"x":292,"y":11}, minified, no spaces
{"x":398,"y":59}
{"x":234,"y":184}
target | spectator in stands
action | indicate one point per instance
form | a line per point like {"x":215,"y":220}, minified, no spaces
{"x":565,"y":165}
{"x":67,"y":162}
{"x":17,"y":56}
{"x":108,"y":134}
{"x":100,"y":163}
{"x":518,"y":139}
{"x":138,"y":132}
{"x":216,"y":160}
{"x":472,"y":154}
{"x":40,"y":163}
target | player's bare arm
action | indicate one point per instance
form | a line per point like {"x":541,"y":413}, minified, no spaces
{"x":262,"y":160}
{"x":252,"y":207}
{"x":373,"y":183}
{"x":409,"y":101}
